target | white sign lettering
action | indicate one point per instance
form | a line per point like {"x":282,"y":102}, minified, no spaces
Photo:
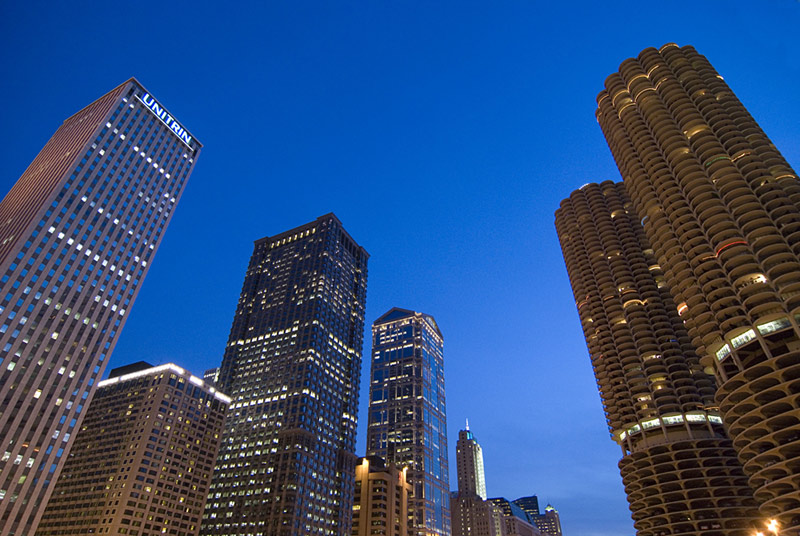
{"x":165,"y":118}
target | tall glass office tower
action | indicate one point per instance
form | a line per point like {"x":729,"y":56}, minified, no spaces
{"x":721,"y":208}
{"x":407,"y":416}
{"x":78,"y":232}
{"x":292,"y":366}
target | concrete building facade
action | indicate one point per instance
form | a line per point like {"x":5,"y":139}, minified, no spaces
{"x":79,"y":231}
{"x":721,"y":208}
{"x":380,"y":506}
{"x":142,"y":460}
{"x":658,"y":400}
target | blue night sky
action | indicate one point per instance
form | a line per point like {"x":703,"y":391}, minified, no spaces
{"x":443,"y":135}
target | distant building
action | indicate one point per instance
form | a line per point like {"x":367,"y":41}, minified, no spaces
{"x":407,"y":416}
{"x":530,"y":504}
{"x":380,"y":506}
{"x":292,"y":366}
{"x":469,"y":465}
{"x":143,"y":458}
{"x":549,"y":522}
{"x":79,"y":231}
{"x":517,"y":522}
{"x":471,"y":514}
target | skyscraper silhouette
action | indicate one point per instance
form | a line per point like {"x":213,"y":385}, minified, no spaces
{"x":721,"y":208}
{"x":292,"y":365}
{"x":407,"y":415}
{"x":78,"y":232}
{"x":679,"y":468}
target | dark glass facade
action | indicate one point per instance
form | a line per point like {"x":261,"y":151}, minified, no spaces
{"x":407,"y":416}
{"x":292,"y":367}
{"x":79,"y":231}
{"x":530,"y":505}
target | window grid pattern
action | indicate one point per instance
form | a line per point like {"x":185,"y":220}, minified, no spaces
{"x":81,"y":228}
{"x":407,"y":412}
{"x":292,"y":366}
{"x":142,"y":460}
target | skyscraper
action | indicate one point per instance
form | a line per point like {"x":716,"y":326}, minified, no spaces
{"x":292,"y":365}
{"x":380,"y":507}
{"x":469,"y":461}
{"x":470,"y":513}
{"x":679,"y":468}
{"x":721,"y":208}
{"x":143,"y":457}
{"x":407,"y":416}
{"x":79,"y":231}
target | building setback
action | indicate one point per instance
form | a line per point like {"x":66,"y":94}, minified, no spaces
{"x":721,"y":208}
{"x":407,"y":414}
{"x":380,"y":506}
{"x":292,"y":365}
{"x":143,"y":457}
{"x":658,"y":401}
{"x":79,"y":231}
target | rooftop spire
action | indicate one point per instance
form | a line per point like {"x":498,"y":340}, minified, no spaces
{"x":467,"y":424}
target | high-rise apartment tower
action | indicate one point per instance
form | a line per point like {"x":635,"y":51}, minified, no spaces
{"x":659,"y":402}
{"x":78,"y":232}
{"x":286,"y":466}
{"x":721,"y":208}
{"x":407,"y":417}
{"x":143,"y":457}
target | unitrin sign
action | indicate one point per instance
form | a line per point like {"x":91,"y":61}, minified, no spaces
{"x":165,"y":118}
